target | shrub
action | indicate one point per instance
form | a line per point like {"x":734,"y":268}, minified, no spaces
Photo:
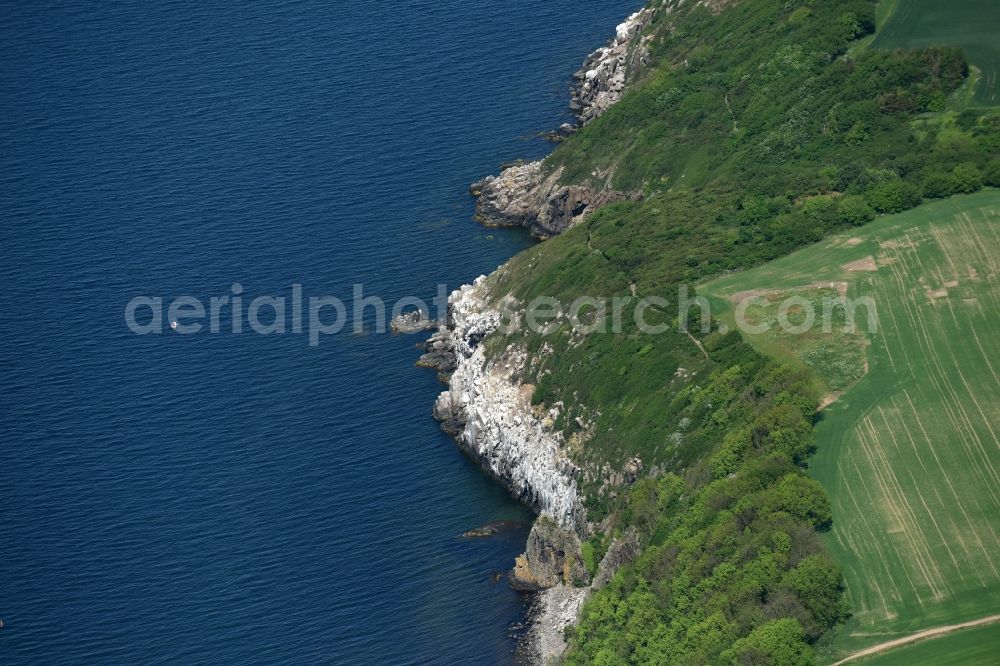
{"x":855,"y":210}
{"x":939,"y":184}
{"x":778,"y":643}
{"x":589,"y":557}
{"x":820,"y":209}
{"x":801,"y":497}
{"x":991,"y":174}
{"x":818,"y":583}
{"x":968,"y":178}
{"x":892,"y":196}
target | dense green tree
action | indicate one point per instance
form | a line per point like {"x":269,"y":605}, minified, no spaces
{"x":968,"y":177}
{"x":817,"y":582}
{"x":991,"y":174}
{"x":801,"y":497}
{"x":854,"y":210}
{"x":939,"y":184}
{"x":892,"y":196}
{"x":753,"y":131}
{"x":777,"y":643}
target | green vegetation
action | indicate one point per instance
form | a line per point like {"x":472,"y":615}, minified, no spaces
{"x":759,"y":128}
{"x":733,"y":568}
{"x":787,"y":176}
{"x":978,"y":646}
{"x":590,"y":559}
{"x":835,"y":353}
{"x":972,"y":24}
{"x":911,"y":455}
{"x":761,"y":102}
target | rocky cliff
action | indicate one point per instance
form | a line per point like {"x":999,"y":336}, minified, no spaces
{"x":491,"y":417}
{"x":485,"y":407}
{"x":601,"y":82}
{"x":526,"y":196}
{"x":552,"y":557}
{"x":531,"y":196}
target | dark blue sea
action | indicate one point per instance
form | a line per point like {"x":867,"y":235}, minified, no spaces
{"x":240,"y":498}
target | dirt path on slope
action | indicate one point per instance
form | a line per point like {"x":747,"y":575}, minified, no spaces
{"x":906,"y":640}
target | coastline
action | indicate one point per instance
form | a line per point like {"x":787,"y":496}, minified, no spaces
{"x":737,"y":514}
{"x":485,"y":407}
{"x":529,"y":194}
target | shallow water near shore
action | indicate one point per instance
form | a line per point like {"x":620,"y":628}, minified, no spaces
{"x":236,"y":497}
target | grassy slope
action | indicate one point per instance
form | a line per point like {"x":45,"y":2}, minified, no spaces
{"x":972,"y":24}
{"x":911,"y":455}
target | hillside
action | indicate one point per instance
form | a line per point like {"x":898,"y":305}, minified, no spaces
{"x":748,"y":130}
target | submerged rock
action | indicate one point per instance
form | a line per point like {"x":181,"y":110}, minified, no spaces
{"x":492,"y":529}
{"x":566,"y":129}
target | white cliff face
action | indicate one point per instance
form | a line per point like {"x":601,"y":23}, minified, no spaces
{"x":498,"y":426}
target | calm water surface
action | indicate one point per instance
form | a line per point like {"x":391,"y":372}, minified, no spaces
{"x":240,"y":498}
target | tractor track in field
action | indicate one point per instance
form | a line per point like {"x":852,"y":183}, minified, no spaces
{"x":919,"y":636}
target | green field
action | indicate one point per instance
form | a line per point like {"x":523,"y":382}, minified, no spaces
{"x":910,"y":454}
{"x":972,"y":24}
{"x":979,"y":645}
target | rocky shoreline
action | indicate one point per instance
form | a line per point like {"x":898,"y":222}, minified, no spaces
{"x":601,"y":82}
{"x":489,"y":413}
{"x":485,"y":407}
{"x":526,"y":194}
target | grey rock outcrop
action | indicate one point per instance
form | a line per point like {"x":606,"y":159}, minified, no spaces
{"x":558,"y":607}
{"x":485,"y":407}
{"x":527,"y":196}
{"x":601,"y":81}
{"x":621,"y":552}
{"x":552,"y":557}
{"x":439,"y":354}
{"x":415,"y":321}
{"x":552,"y":611}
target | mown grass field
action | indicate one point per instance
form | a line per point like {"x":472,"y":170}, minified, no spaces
{"x":972,"y":24}
{"x":910,"y":454}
